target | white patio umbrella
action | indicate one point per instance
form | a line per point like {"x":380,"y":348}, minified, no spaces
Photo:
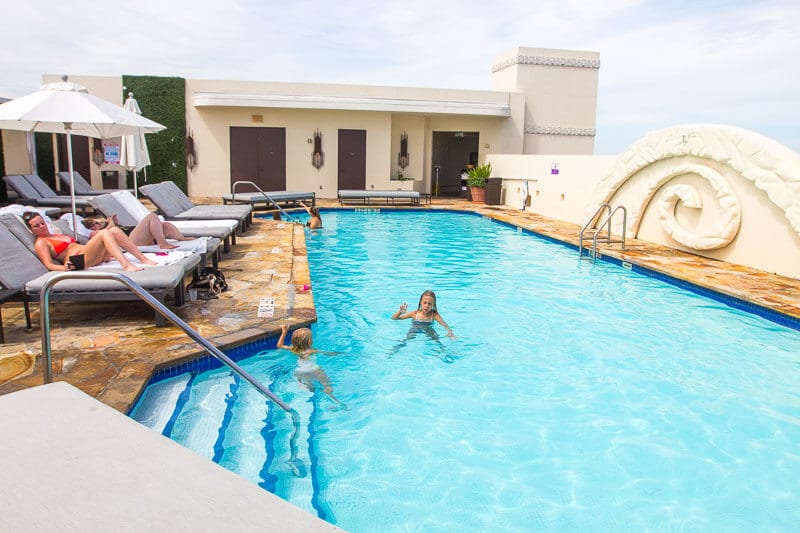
{"x":65,"y":107}
{"x":133,"y":148}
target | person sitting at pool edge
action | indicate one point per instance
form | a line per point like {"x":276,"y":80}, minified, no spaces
{"x":55,"y":249}
{"x":425,"y":313}
{"x":316,"y":220}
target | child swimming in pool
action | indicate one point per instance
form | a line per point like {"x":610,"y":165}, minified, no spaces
{"x":307,"y":371}
{"x":424,"y":316}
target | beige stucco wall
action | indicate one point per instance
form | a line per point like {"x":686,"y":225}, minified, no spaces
{"x":15,"y":152}
{"x":210,"y":129}
{"x":560,"y":88}
{"x":562,"y":196}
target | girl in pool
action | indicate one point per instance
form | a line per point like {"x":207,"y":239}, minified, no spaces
{"x":307,"y":371}
{"x":424,"y":316}
{"x":314,"y":220}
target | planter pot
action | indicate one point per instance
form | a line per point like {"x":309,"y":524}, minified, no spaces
{"x":478,"y":194}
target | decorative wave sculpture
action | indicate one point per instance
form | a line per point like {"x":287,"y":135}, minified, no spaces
{"x":698,"y":151}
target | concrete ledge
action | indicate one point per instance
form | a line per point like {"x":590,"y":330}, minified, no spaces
{"x":71,"y":463}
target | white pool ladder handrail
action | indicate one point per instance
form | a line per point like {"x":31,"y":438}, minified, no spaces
{"x":598,"y":229}
{"x":44,"y":306}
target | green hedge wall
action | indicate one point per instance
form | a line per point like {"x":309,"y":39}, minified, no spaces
{"x":45,"y":161}
{"x":162,"y":99}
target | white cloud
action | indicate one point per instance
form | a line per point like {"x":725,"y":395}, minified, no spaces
{"x":717,"y":61}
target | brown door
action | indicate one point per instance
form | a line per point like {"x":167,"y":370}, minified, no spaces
{"x":80,"y":158}
{"x":258,"y":155}
{"x":353,"y":159}
{"x":452,"y":152}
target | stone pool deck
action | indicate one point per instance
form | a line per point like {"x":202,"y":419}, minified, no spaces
{"x":110,"y":350}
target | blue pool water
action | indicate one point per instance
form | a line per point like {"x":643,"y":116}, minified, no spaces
{"x":576,"y":396}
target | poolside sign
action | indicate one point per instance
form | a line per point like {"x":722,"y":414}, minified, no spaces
{"x":266,"y":307}
{"x":111,"y":153}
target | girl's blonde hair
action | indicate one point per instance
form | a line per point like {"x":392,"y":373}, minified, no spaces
{"x":301,"y":340}
{"x":424,"y":294}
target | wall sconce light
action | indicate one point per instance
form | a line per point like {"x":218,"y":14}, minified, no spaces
{"x":317,"y":157}
{"x":97,"y":152}
{"x":554,"y":169}
{"x":402,"y":159}
{"x":191,"y":155}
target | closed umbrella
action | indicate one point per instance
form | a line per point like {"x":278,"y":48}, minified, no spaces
{"x":65,"y":107}
{"x":133,"y":150}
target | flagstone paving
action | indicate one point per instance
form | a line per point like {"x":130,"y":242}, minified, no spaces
{"x":110,"y":350}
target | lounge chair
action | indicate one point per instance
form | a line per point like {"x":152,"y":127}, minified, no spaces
{"x":175,"y":205}
{"x":367,"y":197}
{"x":130,"y":212}
{"x":205,"y":247}
{"x":41,"y":195}
{"x":22,"y":270}
{"x":82,"y":186}
{"x":282,"y":198}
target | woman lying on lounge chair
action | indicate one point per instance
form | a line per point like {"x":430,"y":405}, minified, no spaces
{"x":150,"y":230}
{"x":55,"y":250}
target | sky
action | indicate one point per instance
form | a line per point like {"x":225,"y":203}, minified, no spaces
{"x":663,"y":63}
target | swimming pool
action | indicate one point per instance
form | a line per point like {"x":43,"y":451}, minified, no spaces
{"x":576,"y":395}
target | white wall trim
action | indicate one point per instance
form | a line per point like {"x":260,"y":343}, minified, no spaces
{"x":551,"y":129}
{"x":392,"y":105}
{"x":567,"y":62}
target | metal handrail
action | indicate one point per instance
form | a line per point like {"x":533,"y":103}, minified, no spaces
{"x":589,"y":223}
{"x":268,"y":197}
{"x":607,"y":221}
{"x":44,"y":306}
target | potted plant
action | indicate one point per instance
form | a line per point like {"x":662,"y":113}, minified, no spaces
{"x":477,"y":181}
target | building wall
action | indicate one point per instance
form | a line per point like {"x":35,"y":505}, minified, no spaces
{"x":560,"y":88}
{"x":562,"y":196}
{"x":210,"y":129}
{"x":15,"y":153}
{"x":716,"y":191}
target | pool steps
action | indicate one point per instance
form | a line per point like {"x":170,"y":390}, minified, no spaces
{"x":180,"y":409}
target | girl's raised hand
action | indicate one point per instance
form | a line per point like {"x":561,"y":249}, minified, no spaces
{"x":403,"y":307}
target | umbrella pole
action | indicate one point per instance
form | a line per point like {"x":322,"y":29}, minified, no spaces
{"x":67,"y":126}
{"x":135,"y":184}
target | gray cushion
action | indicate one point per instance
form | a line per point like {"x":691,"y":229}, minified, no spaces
{"x":19,"y":263}
{"x":151,"y":278}
{"x":109,"y":205}
{"x":20,"y":230}
{"x":377,"y":194}
{"x":22,"y":187}
{"x":80,"y":183}
{"x":165,"y":202}
{"x":44,"y":190}
{"x":276,"y":196}
{"x":173,"y":203}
